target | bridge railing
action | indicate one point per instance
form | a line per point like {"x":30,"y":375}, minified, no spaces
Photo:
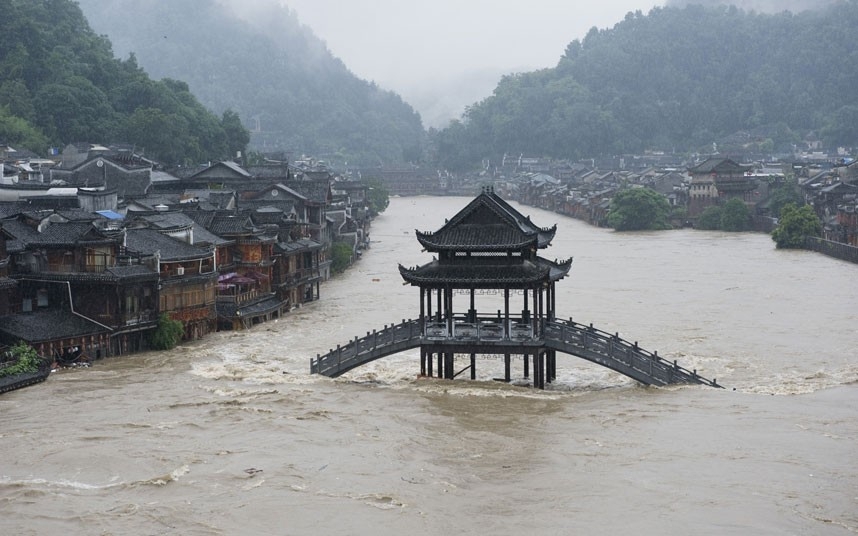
{"x":345,"y":357}
{"x":611,"y":346}
{"x":482,"y":329}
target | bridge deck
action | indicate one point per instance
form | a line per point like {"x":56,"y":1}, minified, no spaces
{"x":586,"y":342}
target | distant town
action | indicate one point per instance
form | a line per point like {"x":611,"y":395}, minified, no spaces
{"x":98,"y":244}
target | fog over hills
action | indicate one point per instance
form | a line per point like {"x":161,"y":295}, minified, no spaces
{"x":289,"y":90}
{"x":763,"y":6}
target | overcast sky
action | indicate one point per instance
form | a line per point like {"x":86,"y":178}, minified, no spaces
{"x":443,"y":54}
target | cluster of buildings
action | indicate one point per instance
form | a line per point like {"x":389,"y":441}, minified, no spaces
{"x":584,"y":189}
{"x":832,"y":190}
{"x":96,"y":244}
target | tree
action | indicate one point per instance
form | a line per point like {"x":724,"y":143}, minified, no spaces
{"x":168,"y":333}
{"x":377,"y":196}
{"x":341,"y":256}
{"x":639,"y":209}
{"x":236,"y":135}
{"x":26,"y":360}
{"x":783,"y":195}
{"x":794,"y":225}
{"x":735,"y":216}
{"x":709,"y":219}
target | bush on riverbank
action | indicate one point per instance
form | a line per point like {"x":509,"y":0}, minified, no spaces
{"x":639,"y":209}
{"x":168,"y":333}
{"x":341,"y":256}
{"x":795,"y":225}
{"x":26,"y":361}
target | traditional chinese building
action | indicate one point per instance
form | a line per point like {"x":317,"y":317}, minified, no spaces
{"x":487,"y":249}
{"x":716,"y":181}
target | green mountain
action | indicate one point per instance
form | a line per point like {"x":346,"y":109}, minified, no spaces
{"x":60,"y":83}
{"x":675,"y":80}
{"x":275,"y":73}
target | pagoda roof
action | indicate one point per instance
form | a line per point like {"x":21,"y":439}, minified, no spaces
{"x":500,"y":274}
{"x":488,"y":223}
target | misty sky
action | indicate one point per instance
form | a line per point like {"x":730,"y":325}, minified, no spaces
{"x":442,"y":55}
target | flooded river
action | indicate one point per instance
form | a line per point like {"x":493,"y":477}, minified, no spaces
{"x":231,"y":435}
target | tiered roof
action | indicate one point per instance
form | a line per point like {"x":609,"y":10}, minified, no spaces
{"x":488,"y":244}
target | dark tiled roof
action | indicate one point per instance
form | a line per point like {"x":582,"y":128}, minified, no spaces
{"x":168,"y":220}
{"x":222,"y":170}
{"x":148,"y":241}
{"x":316,"y":191}
{"x":297,"y":246}
{"x":485,"y":274}
{"x":135,"y":272}
{"x":230,"y":225}
{"x":260,"y":307}
{"x":488,"y":223}
{"x":21,"y":231}
{"x":203,"y":236}
{"x":716,"y":165}
{"x":67,"y":234}
{"x":50,"y":325}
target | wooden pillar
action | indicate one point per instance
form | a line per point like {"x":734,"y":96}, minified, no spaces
{"x":524,"y":311}
{"x":422,"y":314}
{"x":473,"y":366}
{"x":429,"y":364}
{"x":449,"y":365}
{"x":439,"y":313}
{"x":440,"y":365}
{"x":550,"y":356}
{"x":535,"y":311}
{"x":422,"y":357}
{"x":429,"y":304}
{"x":506,"y":367}
{"x":448,"y":310}
{"x":506,"y":318}
{"x":526,"y":366}
{"x":536,"y":370}
{"x":553,"y":300}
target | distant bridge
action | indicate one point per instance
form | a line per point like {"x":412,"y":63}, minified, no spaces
{"x":490,"y":336}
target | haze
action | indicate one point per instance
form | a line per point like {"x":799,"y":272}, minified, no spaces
{"x":442,"y":55}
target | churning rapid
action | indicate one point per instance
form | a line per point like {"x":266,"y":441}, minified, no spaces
{"x":232,"y":435}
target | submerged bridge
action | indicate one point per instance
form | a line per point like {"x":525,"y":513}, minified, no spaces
{"x":549,"y":337}
{"x":489,"y":250}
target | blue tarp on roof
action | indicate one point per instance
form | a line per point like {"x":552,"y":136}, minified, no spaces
{"x":110,"y":215}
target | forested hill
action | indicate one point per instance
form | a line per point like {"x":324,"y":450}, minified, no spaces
{"x":281,"y":79}
{"x":675,"y":80}
{"x":59,"y":83}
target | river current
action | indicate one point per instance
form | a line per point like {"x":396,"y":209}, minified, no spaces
{"x":232,"y":435}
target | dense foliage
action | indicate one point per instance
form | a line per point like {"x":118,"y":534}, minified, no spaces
{"x":639,"y":209}
{"x":59,"y":83}
{"x":794,"y":225}
{"x":292,"y":93}
{"x":167,"y":334}
{"x":675,"y":79}
{"x":378,"y":197}
{"x":26,"y":360}
{"x":709,"y":219}
{"x":783,"y":195}
{"x":735,"y":216}
{"x":341,"y":256}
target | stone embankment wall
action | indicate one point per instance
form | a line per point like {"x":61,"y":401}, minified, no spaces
{"x":837,"y":250}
